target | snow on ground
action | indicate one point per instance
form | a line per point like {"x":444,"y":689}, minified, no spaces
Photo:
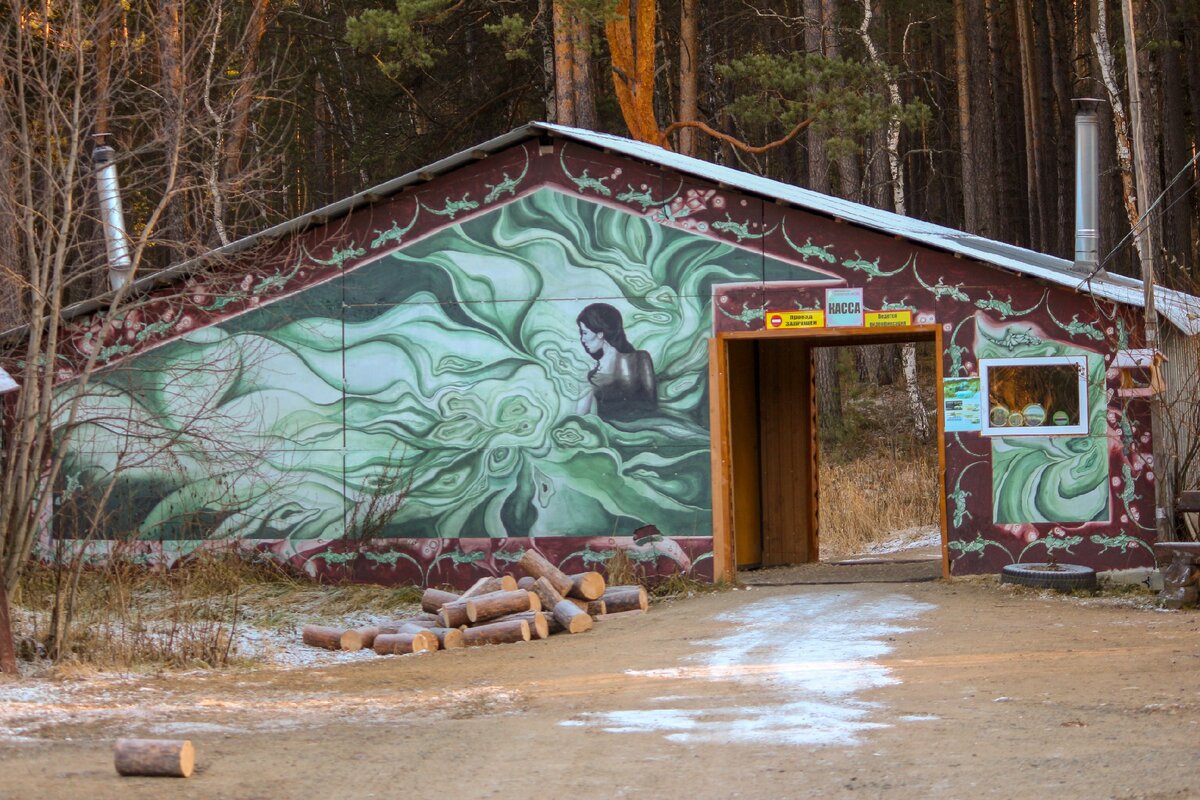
{"x":908,"y":539}
{"x":813,"y":653}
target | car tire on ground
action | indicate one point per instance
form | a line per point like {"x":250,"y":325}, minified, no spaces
{"x":1063,"y":577}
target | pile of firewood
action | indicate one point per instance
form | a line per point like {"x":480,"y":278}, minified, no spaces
{"x":493,"y":611}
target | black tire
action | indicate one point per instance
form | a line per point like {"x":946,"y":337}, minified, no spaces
{"x":1063,"y":577}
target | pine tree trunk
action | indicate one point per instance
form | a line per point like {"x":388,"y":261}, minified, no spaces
{"x":829,"y":388}
{"x":966,"y":142}
{"x":689,"y":76}
{"x":564,"y":66}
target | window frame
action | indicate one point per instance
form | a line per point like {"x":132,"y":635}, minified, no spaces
{"x":1079,"y":429}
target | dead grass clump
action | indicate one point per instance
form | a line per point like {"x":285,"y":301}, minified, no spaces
{"x":880,"y":491}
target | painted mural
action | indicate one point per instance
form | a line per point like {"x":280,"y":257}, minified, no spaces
{"x":516,"y":356}
{"x":452,"y":389}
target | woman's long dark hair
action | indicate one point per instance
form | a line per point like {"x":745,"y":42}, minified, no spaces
{"x":605,"y":319}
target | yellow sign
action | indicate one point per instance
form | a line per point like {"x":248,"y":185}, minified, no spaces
{"x":789,"y":320}
{"x":888,"y":319}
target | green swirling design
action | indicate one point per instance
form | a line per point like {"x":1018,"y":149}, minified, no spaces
{"x":449,"y":370}
{"x":1050,"y":478}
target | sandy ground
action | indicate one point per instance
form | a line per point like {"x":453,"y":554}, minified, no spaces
{"x":924,"y":689}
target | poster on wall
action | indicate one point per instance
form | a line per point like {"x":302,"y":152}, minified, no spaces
{"x":961,"y":404}
{"x":844,"y":308}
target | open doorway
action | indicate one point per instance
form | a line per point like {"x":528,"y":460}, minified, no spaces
{"x":771,"y":504}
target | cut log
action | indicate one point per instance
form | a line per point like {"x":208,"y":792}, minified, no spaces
{"x":332,"y":638}
{"x":458,"y":613}
{"x":626,"y":598}
{"x":572,"y":618}
{"x":526,"y":583}
{"x":368,"y":634}
{"x":537,"y":566}
{"x":448,"y":638}
{"x":154,"y":758}
{"x":587,"y":585}
{"x":596,"y":607}
{"x":500,"y":604}
{"x":433,"y":600}
{"x":547,"y":594}
{"x":539,"y":623}
{"x":514,"y":630}
{"x":505,"y":583}
{"x":637,"y":612}
{"x":580,"y":604}
{"x":387,"y":644}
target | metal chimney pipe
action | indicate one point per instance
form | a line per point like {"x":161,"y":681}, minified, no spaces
{"x":112,"y":216}
{"x":1087,"y":225}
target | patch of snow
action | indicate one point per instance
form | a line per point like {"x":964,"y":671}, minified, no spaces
{"x":908,"y":539}
{"x":815,"y":652}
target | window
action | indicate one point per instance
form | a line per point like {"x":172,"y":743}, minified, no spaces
{"x":1034,"y":396}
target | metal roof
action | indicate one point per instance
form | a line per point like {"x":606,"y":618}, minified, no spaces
{"x":1181,"y":309}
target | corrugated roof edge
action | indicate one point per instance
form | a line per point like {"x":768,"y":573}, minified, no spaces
{"x":1183,"y":310}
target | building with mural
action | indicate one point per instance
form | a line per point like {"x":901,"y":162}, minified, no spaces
{"x":574,"y":342}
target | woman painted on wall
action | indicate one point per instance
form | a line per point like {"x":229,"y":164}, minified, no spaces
{"x":622,"y":385}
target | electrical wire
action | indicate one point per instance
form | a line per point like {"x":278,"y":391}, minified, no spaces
{"x":1145,"y":217}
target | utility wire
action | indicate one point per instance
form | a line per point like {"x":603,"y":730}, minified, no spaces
{"x":1145,"y":217}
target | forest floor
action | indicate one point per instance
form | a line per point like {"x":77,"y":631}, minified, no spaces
{"x":872,"y":689}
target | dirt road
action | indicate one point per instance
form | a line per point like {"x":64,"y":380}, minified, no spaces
{"x":868,"y":690}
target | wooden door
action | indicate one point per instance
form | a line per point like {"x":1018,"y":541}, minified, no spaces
{"x":787,"y":452}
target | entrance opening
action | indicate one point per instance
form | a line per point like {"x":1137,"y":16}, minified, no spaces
{"x":877,"y":454}
{"x":798,"y":486}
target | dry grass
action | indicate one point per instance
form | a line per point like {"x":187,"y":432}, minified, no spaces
{"x":881,"y":491}
{"x":134,"y":618}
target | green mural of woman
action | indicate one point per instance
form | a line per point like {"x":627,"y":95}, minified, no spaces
{"x":622,"y":384}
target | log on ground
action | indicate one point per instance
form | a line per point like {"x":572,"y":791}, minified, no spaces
{"x":596,"y":607}
{"x":458,"y":613}
{"x":539,"y":623}
{"x":154,"y":758}
{"x":547,"y":594}
{"x":587,"y":585}
{"x":505,"y":583}
{"x":500,"y":604}
{"x":332,"y":638}
{"x":368,"y":634}
{"x":572,"y":618}
{"x":515,"y":630}
{"x":536,"y":565}
{"x":626,"y":598}
{"x":387,"y":644}
{"x":433,"y":600}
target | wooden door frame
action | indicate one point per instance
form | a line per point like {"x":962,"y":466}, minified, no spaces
{"x":724,"y":557}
